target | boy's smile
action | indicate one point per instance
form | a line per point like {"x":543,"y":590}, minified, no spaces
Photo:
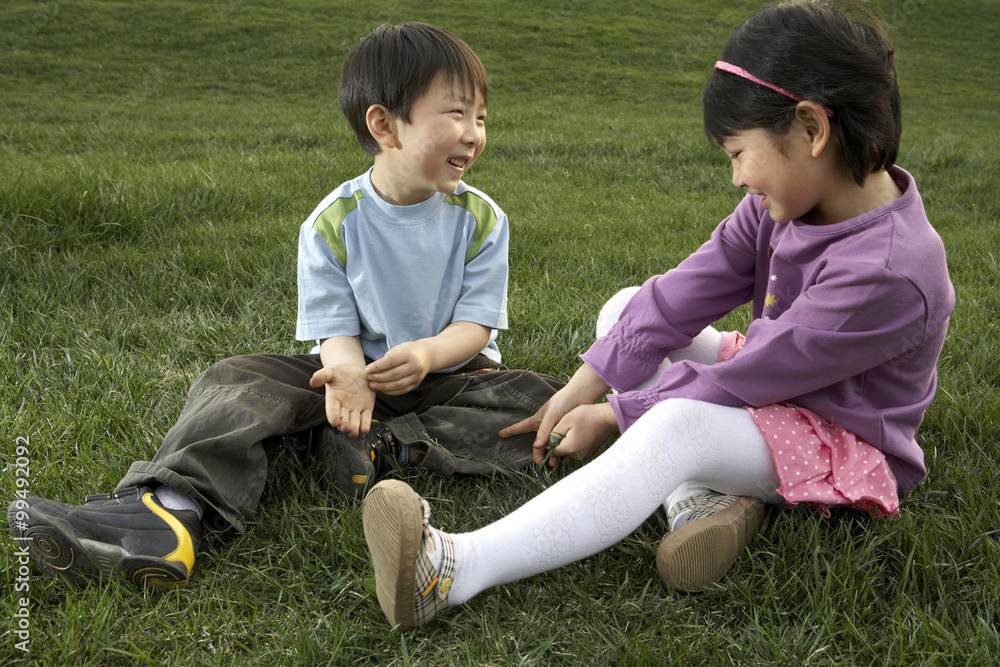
{"x":430,"y":153}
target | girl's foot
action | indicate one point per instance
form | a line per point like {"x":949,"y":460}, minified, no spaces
{"x":699,"y":553}
{"x":414,"y":563}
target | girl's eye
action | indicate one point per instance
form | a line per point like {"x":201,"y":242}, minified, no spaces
{"x":734,"y":155}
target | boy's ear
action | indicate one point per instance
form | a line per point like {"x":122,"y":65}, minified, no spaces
{"x":382,"y":126}
{"x":815,"y":123}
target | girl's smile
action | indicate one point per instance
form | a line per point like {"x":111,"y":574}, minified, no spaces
{"x":780,"y":174}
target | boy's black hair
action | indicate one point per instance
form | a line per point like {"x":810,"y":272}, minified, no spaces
{"x":396,"y":64}
{"x":818,"y":52}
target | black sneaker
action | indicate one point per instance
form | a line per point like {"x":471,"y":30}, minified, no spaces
{"x":357,"y":463}
{"x":127,"y":535}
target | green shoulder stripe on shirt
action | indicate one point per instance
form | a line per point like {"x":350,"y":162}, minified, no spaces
{"x":481,"y":210}
{"x":327,"y":223}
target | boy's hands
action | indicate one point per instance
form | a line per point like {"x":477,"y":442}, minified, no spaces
{"x":401,"y":369}
{"x":351,"y":385}
{"x":349,"y":400}
{"x":405,"y":366}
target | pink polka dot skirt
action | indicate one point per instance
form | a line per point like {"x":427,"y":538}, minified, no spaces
{"x":824,"y":465}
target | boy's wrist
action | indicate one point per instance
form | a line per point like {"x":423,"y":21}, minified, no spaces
{"x":459,"y":342}
{"x":342,"y":350}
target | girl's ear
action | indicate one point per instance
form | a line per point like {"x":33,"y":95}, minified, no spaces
{"x":816,"y":124}
{"x":382,"y":126}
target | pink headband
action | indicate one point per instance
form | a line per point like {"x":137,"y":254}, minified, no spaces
{"x":739,"y":71}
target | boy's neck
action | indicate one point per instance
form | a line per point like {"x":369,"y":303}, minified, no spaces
{"x":393,"y":191}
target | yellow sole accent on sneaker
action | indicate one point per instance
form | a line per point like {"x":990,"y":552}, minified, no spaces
{"x":65,"y":567}
{"x":184,"y":553}
{"x":359,"y":479}
{"x":46,"y":556}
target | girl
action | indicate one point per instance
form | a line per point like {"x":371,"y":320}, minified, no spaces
{"x":819,"y":404}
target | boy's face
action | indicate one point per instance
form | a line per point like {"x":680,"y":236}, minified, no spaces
{"x":445,"y":135}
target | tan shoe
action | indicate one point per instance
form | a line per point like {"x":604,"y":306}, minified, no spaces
{"x":699,"y":553}
{"x":411,"y":591}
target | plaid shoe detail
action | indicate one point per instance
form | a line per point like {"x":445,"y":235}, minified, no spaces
{"x":699,"y":553}
{"x":700,"y":507}
{"x":432,"y":585}
{"x":410,"y":590}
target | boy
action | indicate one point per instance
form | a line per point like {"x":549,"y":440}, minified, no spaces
{"x":402,"y":277}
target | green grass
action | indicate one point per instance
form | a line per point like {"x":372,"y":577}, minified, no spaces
{"x":156,"y":159}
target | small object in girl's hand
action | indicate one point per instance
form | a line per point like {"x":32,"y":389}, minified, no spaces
{"x":554,"y":440}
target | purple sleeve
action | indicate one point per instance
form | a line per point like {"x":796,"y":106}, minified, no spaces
{"x":852,"y":319}
{"x":672,"y":308}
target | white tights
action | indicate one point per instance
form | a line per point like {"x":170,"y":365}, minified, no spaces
{"x":678,"y":444}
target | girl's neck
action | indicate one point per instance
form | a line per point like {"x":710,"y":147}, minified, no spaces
{"x":849,"y":200}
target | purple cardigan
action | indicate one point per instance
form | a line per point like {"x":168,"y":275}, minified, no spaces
{"x":848,"y":321}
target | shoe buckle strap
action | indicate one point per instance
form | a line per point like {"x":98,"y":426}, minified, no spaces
{"x":447,"y":571}
{"x":386,"y":444}
{"x":133,"y":492}
{"x":125,"y":494}
{"x":433,"y":585}
{"x":449,"y":563}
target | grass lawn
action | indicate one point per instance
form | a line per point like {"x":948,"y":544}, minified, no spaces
{"x":156,"y":160}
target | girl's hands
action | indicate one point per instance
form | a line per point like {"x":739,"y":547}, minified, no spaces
{"x":583,"y":389}
{"x":578,"y":434}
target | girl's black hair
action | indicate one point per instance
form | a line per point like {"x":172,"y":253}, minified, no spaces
{"x":396,"y":64}
{"x":818,"y":52}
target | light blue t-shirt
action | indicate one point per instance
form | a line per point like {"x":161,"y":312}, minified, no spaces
{"x":395,"y":274}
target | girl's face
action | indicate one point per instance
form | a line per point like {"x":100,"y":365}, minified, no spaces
{"x":780,"y":172}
